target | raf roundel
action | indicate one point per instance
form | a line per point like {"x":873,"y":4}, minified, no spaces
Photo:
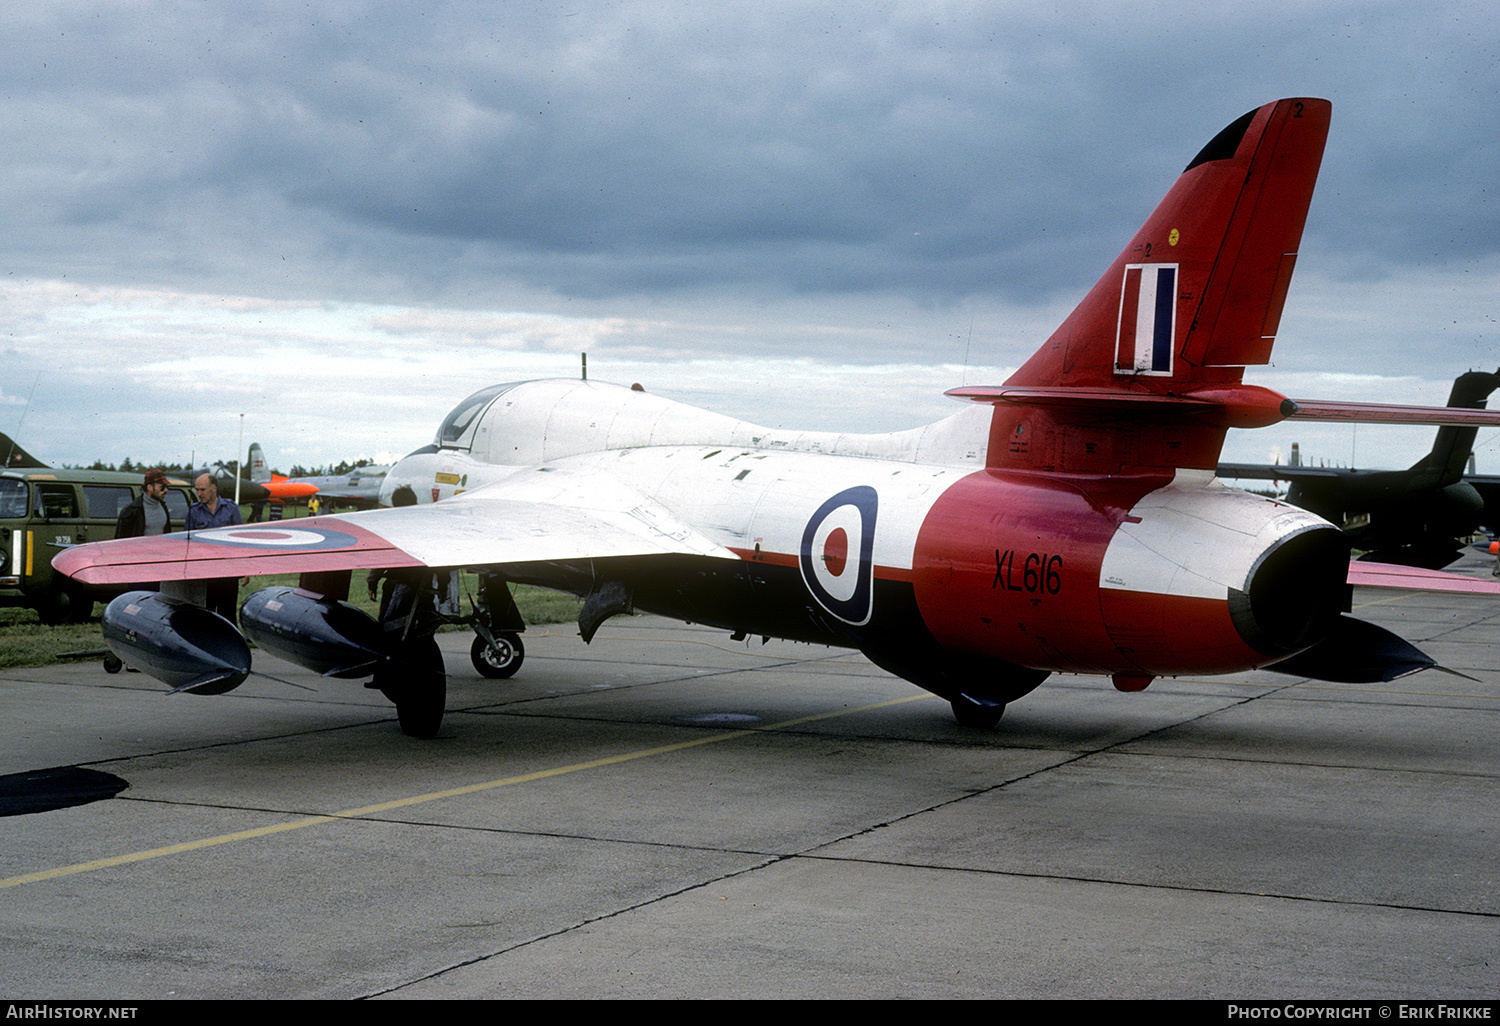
{"x":276,"y":538}
{"x":835,"y":558}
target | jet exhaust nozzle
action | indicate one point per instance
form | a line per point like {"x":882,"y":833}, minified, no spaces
{"x":324,"y":635}
{"x":182,"y":645}
{"x":1294,"y":593}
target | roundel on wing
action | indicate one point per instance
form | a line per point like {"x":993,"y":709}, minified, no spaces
{"x":276,"y":538}
{"x":835,"y":557}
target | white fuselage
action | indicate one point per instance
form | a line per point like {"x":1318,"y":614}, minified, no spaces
{"x":1044,"y":570}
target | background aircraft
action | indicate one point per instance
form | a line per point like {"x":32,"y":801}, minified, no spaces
{"x":358,"y":489}
{"x":12,"y":455}
{"x":247,"y":488}
{"x":1067,"y":520}
{"x":1415,"y":517}
{"x":263,"y":485}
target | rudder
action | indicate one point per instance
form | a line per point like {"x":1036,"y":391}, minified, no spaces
{"x":1197,"y":294}
{"x":1154,"y":355}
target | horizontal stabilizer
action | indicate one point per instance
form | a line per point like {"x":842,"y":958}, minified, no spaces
{"x":1384,"y":413}
{"x":1229,"y":405}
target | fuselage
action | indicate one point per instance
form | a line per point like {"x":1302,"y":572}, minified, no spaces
{"x":906,"y":545}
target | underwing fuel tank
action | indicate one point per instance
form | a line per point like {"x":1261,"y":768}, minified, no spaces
{"x":322,"y":634}
{"x":180,"y":644}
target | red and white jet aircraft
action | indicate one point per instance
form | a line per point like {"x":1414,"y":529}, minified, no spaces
{"x":1067,"y":520}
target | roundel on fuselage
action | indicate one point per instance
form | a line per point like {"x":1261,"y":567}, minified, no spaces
{"x":836,"y":554}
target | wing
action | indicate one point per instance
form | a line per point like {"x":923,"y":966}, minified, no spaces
{"x":535,"y":515}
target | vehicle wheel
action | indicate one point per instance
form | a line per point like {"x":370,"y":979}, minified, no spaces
{"x":500,"y":660}
{"x":113,"y":663}
{"x":417,"y":684}
{"x":56,"y":607}
{"x":80,"y":608}
{"x":971,"y":714}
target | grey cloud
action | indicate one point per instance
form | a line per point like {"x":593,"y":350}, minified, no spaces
{"x":930,"y":150}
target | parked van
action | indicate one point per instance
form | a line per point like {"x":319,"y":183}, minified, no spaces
{"x":43,"y":511}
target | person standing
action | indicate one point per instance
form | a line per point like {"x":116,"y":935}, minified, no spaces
{"x":212,"y":511}
{"x":147,"y":513}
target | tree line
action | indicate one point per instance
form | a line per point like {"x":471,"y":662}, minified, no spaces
{"x":129,"y":466}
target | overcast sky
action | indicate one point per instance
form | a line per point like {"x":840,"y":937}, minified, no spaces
{"x":338,"y":219}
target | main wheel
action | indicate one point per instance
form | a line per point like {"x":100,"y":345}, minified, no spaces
{"x":418,"y":685}
{"x":500,"y":660}
{"x":969,"y":713}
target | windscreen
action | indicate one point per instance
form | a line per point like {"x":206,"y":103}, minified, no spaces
{"x":457,"y":431}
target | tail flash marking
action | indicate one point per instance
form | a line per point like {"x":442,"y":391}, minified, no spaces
{"x":1148,"y":319}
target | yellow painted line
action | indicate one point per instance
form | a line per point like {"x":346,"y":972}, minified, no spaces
{"x":401,"y":803}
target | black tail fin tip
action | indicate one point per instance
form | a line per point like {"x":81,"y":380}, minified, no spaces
{"x":1226,"y":144}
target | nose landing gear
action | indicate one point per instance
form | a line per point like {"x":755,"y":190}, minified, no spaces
{"x":497,"y":657}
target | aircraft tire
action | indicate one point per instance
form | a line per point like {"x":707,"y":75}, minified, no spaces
{"x":418,"y":686}
{"x":974,"y":715}
{"x":501,"y":660}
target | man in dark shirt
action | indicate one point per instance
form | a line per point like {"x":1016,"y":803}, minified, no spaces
{"x":147,"y":514}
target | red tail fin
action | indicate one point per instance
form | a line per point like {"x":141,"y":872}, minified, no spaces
{"x":1194,"y":298}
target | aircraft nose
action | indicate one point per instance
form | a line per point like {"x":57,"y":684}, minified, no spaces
{"x":1294,"y":593}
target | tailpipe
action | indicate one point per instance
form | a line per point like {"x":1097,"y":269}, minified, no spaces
{"x":182,"y":645}
{"x":1294,"y":593}
{"x":324,"y":635}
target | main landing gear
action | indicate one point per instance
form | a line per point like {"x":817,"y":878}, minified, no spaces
{"x":418,"y":686}
{"x":413,"y":605}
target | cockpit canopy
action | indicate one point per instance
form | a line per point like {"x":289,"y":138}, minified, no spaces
{"x":457,"y":430}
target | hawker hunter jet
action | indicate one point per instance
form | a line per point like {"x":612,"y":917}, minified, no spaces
{"x":1066,"y":520}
